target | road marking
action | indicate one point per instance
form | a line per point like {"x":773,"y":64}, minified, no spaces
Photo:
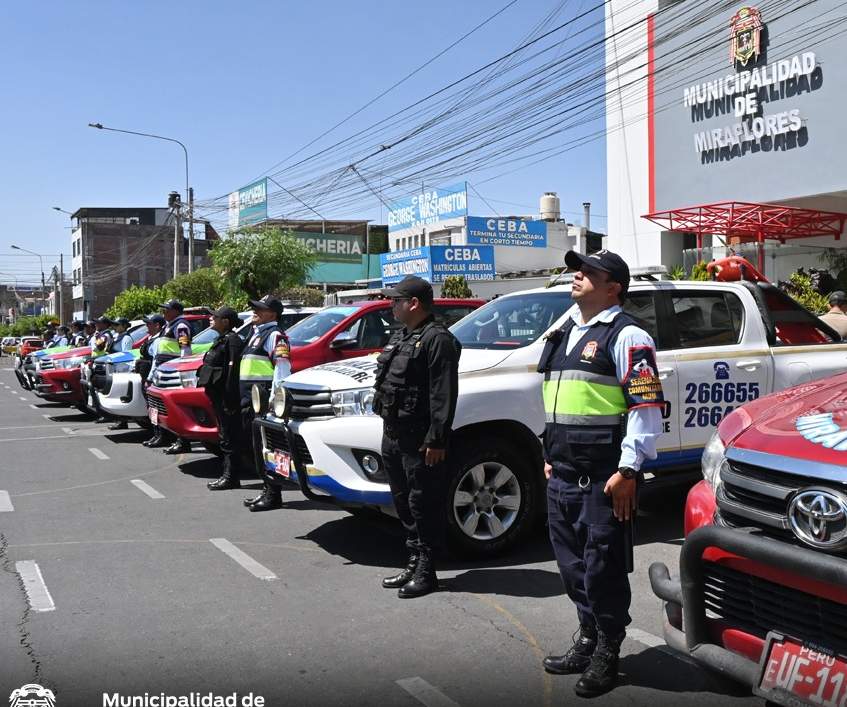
{"x":5,"y":502}
{"x":67,"y":430}
{"x":22,"y":398}
{"x":32,"y":439}
{"x":46,"y":416}
{"x":243,"y":559}
{"x":648,"y":639}
{"x":425,"y":693}
{"x":36,"y":591}
{"x":97,"y":453}
{"x":147,"y":488}
{"x":34,"y":407}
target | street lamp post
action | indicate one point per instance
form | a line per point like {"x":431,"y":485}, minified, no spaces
{"x":41,"y":260}
{"x":189,"y":194}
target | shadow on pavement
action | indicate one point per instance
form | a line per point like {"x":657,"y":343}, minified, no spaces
{"x":209,"y":467}
{"x":130,"y":436}
{"x":72,"y":417}
{"x":538,"y":584}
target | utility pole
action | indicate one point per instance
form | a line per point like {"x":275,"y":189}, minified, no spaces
{"x":191,"y":229}
{"x":62,"y":288}
{"x":175,"y":203}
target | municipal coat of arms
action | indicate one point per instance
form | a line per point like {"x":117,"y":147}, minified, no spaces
{"x":746,"y":27}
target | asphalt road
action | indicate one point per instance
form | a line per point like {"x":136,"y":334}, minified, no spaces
{"x":189,"y":592}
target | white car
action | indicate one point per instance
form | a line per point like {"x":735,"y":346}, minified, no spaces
{"x":719,"y":344}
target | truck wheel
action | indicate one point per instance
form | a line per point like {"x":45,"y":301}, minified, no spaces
{"x":492,"y":498}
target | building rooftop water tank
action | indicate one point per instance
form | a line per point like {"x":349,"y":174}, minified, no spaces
{"x":550,"y":208}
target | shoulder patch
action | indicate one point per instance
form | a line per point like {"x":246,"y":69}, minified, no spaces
{"x":641,"y":385}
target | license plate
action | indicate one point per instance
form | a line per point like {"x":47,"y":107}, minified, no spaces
{"x":282,"y":463}
{"x":154,"y":415}
{"x":794,"y":674}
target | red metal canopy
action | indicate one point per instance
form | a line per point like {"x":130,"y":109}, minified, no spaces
{"x":744,"y":219}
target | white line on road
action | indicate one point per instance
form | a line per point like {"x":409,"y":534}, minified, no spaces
{"x":22,"y":398}
{"x":425,"y":693}
{"x":36,"y":591}
{"x":34,"y":407}
{"x":46,"y":416}
{"x":243,"y":559}
{"x":97,"y":453}
{"x":648,"y":639}
{"x":32,"y":439}
{"x":67,"y":430}
{"x":5,"y":502}
{"x":147,"y":488}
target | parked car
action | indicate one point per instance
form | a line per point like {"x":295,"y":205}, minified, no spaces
{"x":719,"y":344}
{"x":762,"y":590}
{"x":9,"y":345}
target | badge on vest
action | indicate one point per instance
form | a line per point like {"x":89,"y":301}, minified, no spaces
{"x":641,"y":385}
{"x":281,"y":350}
{"x":183,"y":341}
{"x":589,"y":352}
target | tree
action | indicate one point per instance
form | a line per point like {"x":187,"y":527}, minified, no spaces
{"x":801,"y":288}
{"x":201,"y":287}
{"x":308,"y":296}
{"x":137,"y":301}
{"x":259,"y":260}
{"x":456,"y":286}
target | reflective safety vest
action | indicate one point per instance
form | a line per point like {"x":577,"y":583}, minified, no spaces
{"x":170,"y":346}
{"x":256,"y":363}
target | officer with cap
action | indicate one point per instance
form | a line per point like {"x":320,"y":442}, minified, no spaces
{"x":123,"y":341}
{"x":836,"y":317}
{"x":78,"y":337}
{"x":145,"y":365}
{"x":265,"y":358}
{"x":102,"y":337}
{"x":61,"y":336}
{"x":219,"y":376}
{"x":603,"y":401}
{"x":174,"y":342}
{"x":90,"y":332}
{"x":416,"y":387}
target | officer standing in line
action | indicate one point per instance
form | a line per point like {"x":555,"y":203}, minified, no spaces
{"x":90,"y":333}
{"x":146,"y":365}
{"x":123,"y":341}
{"x":603,"y":400}
{"x":78,"y":337}
{"x":174,"y":342}
{"x":417,"y":384}
{"x":265,"y":358}
{"x":62,"y":336}
{"x":102,"y":337}
{"x":219,"y":376}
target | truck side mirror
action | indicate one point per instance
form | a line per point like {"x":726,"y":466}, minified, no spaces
{"x":345,"y":340}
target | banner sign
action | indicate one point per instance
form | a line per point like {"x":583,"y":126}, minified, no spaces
{"x":249,"y":205}
{"x":483,"y":230}
{"x":435,"y":263}
{"x":429,"y":207}
{"x":333,"y":247}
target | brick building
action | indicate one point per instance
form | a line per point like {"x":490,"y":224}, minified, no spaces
{"x":114,"y":248}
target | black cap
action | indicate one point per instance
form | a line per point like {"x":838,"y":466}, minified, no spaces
{"x":123,"y":321}
{"x":267,"y":302}
{"x":103,"y":320}
{"x":78,"y":323}
{"x":158,"y":318}
{"x":837,"y":297}
{"x":229,"y":314}
{"x":604,"y":260}
{"x":64,"y":328}
{"x":90,"y":322}
{"x":173,"y":304}
{"x":410,"y":286}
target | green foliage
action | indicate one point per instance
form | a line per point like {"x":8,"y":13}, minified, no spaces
{"x":801,"y":288}
{"x":135,"y":302}
{"x":456,"y":286}
{"x":201,"y":287}
{"x":699,"y":272}
{"x":25,"y":326}
{"x":258,"y":260}
{"x":677,"y":273}
{"x":308,"y":296}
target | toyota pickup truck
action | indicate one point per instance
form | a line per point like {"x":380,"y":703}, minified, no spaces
{"x":719,"y":345}
{"x":761,"y":594}
{"x":320,"y":335}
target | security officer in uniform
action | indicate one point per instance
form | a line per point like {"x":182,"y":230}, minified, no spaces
{"x":603,"y":400}
{"x":123,"y":341}
{"x":174,"y":342}
{"x":78,"y":337}
{"x":219,"y":376}
{"x":103,"y":338}
{"x":417,"y":384}
{"x":90,"y":333}
{"x":265,"y":358}
{"x":62,"y":336}
{"x":145,"y":365}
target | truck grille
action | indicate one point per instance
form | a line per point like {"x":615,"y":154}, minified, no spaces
{"x":309,"y":401}
{"x":757,"y":606}
{"x":47,"y":364}
{"x":100,"y":378}
{"x":166,"y":379}
{"x":277,"y":439}
{"x":154,"y":401}
{"x":754,"y":496}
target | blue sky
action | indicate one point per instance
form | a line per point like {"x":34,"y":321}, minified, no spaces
{"x":243,"y":85}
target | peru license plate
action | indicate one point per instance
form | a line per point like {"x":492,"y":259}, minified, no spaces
{"x":795,"y":674}
{"x":154,"y":416}
{"x":282,"y":463}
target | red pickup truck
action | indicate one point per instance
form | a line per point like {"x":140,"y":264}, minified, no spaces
{"x":329,"y":334}
{"x":762,"y":592}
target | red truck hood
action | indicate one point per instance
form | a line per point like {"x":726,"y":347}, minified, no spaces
{"x":808,"y":421}
{"x":189,"y":363}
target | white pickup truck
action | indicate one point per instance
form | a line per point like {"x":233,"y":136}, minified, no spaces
{"x":719,"y":345}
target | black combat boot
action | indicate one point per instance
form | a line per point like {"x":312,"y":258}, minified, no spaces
{"x":271,"y":499}
{"x":157,"y":440}
{"x":578,"y":656}
{"x":181,"y":446}
{"x":423,"y":579}
{"x":398,"y":580}
{"x":602,"y":672}
{"x":228,"y":479}
{"x":119,"y":425}
{"x":252,"y":501}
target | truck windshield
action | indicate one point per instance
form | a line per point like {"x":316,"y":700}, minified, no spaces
{"x":313,"y":328}
{"x":511,"y":322}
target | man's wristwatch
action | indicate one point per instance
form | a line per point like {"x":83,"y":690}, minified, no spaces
{"x":628,"y":472}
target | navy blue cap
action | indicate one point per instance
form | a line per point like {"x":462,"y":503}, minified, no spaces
{"x":267,"y":302}
{"x":604,"y":260}
{"x":174,"y":304}
{"x":158,"y":318}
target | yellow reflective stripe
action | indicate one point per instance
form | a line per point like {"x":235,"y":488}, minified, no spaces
{"x":256,"y":368}
{"x":168,"y":346}
{"x":581,"y":398}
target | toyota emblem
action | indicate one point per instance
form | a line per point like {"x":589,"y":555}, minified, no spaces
{"x":818,"y":517}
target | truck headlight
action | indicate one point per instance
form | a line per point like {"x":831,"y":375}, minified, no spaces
{"x":259,"y":399}
{"x":72,"y":362}
{"x":353,"y":402}
{"x":278,"y":401}
{"x":714,"y":457}
{"x":188,"y":379}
